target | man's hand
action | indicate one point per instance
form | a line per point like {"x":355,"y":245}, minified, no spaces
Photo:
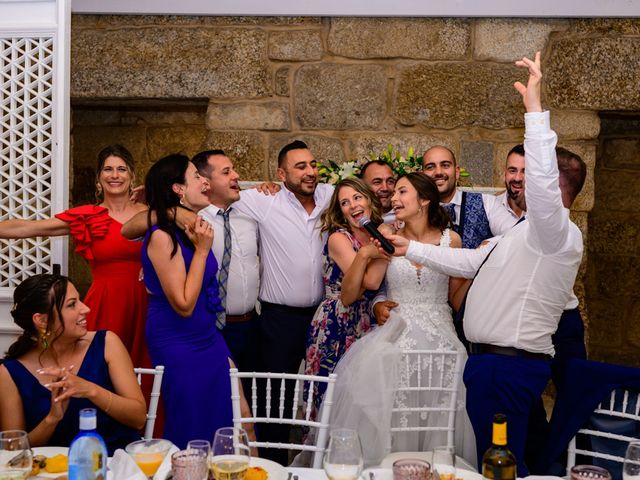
{"x":401,"y":244}
{"x":531,"y":93}
{"x":382,"y":310}
{"x":268,"y":188}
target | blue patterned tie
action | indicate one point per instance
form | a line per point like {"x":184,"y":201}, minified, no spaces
{"x":451,"y":210}
{"x":223,"y":273}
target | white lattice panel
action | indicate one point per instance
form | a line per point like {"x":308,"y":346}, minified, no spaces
{"x":26,"y":158}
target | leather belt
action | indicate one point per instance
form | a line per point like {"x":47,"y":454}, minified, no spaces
{"x":478,"y":348}
{"x":245,"y":317}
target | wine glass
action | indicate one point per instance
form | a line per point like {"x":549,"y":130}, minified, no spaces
{"x":230,"y":454}
{"x":343,"y":460}
{"x":149,"y":454}
{"x":631,"y":468}
{"x":15,"y":455}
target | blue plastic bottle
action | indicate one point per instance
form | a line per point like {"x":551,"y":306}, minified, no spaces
{"x":88,"y":452}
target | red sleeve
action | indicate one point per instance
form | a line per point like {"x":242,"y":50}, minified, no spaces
{"x":86,"y":223}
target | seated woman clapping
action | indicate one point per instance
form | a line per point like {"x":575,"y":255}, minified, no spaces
{"x":57,"y":367}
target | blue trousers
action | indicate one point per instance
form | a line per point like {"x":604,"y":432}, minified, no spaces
{"x":503,"y":384}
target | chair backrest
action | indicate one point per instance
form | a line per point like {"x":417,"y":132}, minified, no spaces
{"x":427,"y":394}
{"x":623,"y":406}
{"x":152,"y":411}
{"x":296,"y":382}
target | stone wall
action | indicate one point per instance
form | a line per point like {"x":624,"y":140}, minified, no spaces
{"x":346,"y":86}
{"x":613,"y":281}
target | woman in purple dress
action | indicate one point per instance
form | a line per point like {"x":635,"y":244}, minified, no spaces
{"x":180,"y":275}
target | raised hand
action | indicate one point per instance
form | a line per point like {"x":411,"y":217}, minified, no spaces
{"x":200,"y":234}
{"x":372,"y":252}
{"x":531,"y":93}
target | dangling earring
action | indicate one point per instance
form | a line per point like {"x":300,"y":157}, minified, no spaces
{"x":98,"y":188}
{"x":44,"y":339}
{"x":182,"y":200}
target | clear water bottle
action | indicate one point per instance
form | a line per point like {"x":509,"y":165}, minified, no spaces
{"x":88,"y":452}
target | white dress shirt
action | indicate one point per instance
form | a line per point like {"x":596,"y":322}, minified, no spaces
{"x":504,"y":201}
{"x":244,"y":265}
{"x":499,"y":221}
{"x":290,"y":245}
{"x":520,"y":292}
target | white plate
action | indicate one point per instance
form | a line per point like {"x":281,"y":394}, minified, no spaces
{"x":387,"y":474}
{"x":275,"y":470}
{"x":49,"y":452}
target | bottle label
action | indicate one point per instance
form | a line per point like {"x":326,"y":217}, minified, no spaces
{"x":499,"y":433}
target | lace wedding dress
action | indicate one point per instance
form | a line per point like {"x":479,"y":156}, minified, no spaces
{"x":372,"y":370}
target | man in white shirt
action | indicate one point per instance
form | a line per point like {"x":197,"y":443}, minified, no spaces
{"x":475,"y":216}
{"x":291,"y":272}
{"x":379,"y":177}
{"x":512,"y":199}
{"x":239,"y":321}
{"x":521,"y":286}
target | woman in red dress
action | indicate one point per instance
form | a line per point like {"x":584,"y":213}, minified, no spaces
{"x":117,"y":297}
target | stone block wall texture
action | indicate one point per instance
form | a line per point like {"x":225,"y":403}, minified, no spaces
{"x":351,"y":86}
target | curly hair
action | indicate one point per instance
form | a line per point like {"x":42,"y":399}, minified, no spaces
{"x":333,"y":219}
{"x":43,"y":293}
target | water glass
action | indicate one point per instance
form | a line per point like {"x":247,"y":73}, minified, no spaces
{"x":201,"y":445}
{"x":230,"y":454}
{"x":631,"y":468}
{"x":444,"y":462}
{"x":15,"y":455}
{"x":411,"y":469}
{"x":189,"y":464}
{"x":343,"y":460}
{"x":589,"y":472}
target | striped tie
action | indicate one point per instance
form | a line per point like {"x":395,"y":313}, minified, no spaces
{"x":223,"y":273}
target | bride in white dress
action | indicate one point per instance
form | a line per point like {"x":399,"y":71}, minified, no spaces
{"x":372,"y":370}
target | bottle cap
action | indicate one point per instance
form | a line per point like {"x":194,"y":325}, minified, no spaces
{"x":88,"y":419}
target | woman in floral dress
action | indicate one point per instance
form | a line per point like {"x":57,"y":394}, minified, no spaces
{"x":353,"y":269}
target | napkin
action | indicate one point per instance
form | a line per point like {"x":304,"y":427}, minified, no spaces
{"x":123,"y":467}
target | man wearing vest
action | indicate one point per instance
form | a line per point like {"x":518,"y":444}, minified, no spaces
{"x":475,"y":216}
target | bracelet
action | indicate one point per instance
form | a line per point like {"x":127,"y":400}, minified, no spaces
{"x":106,"y":410}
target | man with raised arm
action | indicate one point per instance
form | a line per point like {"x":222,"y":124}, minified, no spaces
{"x":523,"y":281}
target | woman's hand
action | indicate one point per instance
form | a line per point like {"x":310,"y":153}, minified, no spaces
{"x":67,"y":384}
{"x":200,"y":234}
{"x":372,"y":252}
{"x":57,"y":409}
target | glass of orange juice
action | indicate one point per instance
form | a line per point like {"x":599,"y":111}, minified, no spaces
{"x":149,"y":454}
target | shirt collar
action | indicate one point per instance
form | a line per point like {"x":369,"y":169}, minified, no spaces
{"x":456,"y":199}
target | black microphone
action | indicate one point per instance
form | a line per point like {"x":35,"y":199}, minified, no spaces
{"x":375,"y":233}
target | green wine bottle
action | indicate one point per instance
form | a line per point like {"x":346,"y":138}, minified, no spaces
{"x":498,"y":463}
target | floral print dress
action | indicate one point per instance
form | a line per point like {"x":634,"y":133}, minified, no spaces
{"x":334,"y":327}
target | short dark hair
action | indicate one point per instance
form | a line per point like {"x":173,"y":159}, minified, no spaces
{"x":377,"y":161}
{"x":295,"y":145}
{"x":573,"y":169}
{"x":201,"y":161}
{"x":518,"y":150}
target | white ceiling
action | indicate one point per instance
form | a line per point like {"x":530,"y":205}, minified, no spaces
{"x":431,"y":8}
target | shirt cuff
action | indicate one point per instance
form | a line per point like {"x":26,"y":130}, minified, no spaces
{"x":411,"y":251}
{"x":537,"y":122}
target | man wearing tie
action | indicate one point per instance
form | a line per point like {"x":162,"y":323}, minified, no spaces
{"x":235,"y":246}
{"x":521,"y":286}
{"x":475,"y":216}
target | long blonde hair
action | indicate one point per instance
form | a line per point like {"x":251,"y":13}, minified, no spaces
{"x":332,"y":218}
